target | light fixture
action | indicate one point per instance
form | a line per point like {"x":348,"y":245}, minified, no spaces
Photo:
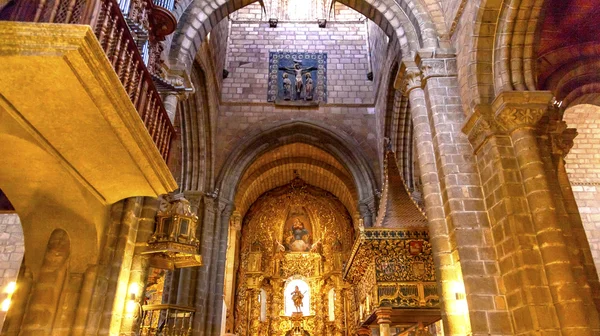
{"x":174,"y":243}
{"x":132,"y":306}
{"x":9,"y":290}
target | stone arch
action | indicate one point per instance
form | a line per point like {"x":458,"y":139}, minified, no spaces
{"x":196,"y":135}
{"x":501,"y":54}
{"x":255,"y":185}
{"x":407,"y":23}
{"x":336,"y":143}
{"x":506,"y":52}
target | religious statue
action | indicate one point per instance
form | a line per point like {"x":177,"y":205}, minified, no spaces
{"x":299,"y":237}
{"x":287,"y":87}
{"x":308,"y":87}
{"x":297,"y":297}
{"x":298,"y":73}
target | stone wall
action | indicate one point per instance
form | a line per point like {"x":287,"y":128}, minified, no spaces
{"x":219,"y":38}
{"x":12,"y":248}
{"x":378,"y":43}
{"x":583,"y":167}
{"x":344,"y":42}
{"x":345,"y":13}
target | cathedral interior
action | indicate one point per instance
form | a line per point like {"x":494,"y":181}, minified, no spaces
{"x":300,"y":167}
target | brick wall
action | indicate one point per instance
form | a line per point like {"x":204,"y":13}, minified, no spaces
{"x":12,"y":248}
{"x":344,"y":42}
{"x":583,"y":167}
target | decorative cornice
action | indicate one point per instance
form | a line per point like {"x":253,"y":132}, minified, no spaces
{"x":518,"y":109}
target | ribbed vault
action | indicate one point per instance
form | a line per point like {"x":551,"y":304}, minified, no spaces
{"x":280,"y":165}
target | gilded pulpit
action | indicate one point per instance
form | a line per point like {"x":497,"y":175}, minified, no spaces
{"x":391,"y":264}
{"x":289,"y":281}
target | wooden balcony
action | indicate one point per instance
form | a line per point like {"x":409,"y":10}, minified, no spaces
{"x":74,"y":77}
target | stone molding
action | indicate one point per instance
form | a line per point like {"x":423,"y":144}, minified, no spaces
{"x":517,"y":109}
{"x":480,"y":126}
{"x":512,"y":110}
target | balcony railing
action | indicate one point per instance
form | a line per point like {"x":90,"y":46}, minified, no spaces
{"x":166,"y":319}
{"x":166,"y":4}
{"x":110,"y":27}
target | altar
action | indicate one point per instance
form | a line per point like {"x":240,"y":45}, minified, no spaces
{"x":290,"y":272}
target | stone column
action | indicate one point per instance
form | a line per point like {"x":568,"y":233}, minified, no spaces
{"x":519,"y":113}
{"x":456,"y":319}
{"x":18,"y":307}
{"x":383,"y":319}
{"x":562,"y":141}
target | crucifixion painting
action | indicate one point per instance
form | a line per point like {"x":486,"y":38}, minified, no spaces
{"x":297,"y":78}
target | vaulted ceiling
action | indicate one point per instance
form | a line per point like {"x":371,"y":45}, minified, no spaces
{"x":567,"y":49}
{"x":280,"y":165}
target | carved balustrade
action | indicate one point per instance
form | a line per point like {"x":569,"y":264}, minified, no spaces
{"x":111,"y":29}
{"x":166,"y":319}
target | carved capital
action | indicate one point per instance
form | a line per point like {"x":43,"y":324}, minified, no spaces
{"x":519,"y":109}
{"x":480,"y":126}
{"x":225,"y":209}
{"x":561,"y":138}
{"x":408,"y":78}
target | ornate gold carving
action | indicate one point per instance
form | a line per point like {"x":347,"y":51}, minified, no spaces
{"x":266,"y":262}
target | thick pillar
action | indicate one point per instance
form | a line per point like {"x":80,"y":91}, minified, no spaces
{"x":458,"y":223}
{"x":519,"y":114}
{"x":541,"y":272}
{"x":210,"y":278}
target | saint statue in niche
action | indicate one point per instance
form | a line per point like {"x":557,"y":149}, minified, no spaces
{"x":297,"y":297}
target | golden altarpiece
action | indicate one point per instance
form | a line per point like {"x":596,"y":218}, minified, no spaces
{"x":295,"y":235}
{"x":301,"y":238}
